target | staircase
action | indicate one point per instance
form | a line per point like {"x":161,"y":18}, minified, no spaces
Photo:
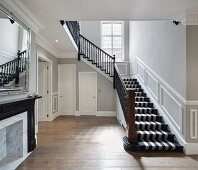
{"x":11,"y":70}
{"x":146,"y":129}
{"x":96,"y":56}
{"x":89,"y":51}
{"x":153,"y":134}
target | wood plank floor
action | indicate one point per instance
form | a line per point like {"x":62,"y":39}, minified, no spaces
{"x":95,"y":143}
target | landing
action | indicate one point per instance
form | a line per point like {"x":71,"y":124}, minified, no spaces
{"x":91,"y":143}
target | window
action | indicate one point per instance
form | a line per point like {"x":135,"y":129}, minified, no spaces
{"x":112,"y":38}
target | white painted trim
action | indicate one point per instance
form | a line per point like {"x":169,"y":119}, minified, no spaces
{"x":21,"y":12}
{"x":77,"y":113}
{"x":192,"y":102}
{"x":126,"y":68}
{"x":139,"y":65}
{"x":106,"y":113}
{"x":131,"y":65}
{"x":54,"y":97}
{"x":49,"y":98}
{"x":74,"y":91}
{"x":96,"y":92}
{"x":193,"y":118}
{"x":97,"y":69}
{"x":163,"y":81}
{"x":55,"y":115}
{"x":157,"y":82}
{"x":191,"y":148}
{"x":46,"y":45}
{"x":162,"y":89}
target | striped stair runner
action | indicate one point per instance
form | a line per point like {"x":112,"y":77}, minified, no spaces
{"x":153,"y":133}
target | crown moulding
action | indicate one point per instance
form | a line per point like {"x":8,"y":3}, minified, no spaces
{"x":21,"y":12}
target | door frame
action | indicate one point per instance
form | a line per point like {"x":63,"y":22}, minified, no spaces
{"x":96,"y":79}
{"x":74,"y":88}
{"x":49,"y":83}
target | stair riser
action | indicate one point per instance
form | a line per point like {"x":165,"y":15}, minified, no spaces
{"x":155,"y":137}
{"x":151,"y":127}
{"x":149,"y":118}
{"x":140,"y":94}
{"x":142,"y":99}
{"x":129,"y":80}
{"x":146,"y":111}
{"x":150,"y":105}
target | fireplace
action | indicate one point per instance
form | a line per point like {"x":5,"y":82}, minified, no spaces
{"x":17,"y":131}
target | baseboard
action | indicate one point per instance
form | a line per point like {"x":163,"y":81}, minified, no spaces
{"x":106,"y":113}
{"x":191,"y":149}
{"x":77,"y":113}
{"x":55,"y":115}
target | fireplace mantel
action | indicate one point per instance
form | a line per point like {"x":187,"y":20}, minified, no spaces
{"x":14,"y":107}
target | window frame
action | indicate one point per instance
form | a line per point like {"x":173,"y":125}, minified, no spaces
{"x":122,"y":36}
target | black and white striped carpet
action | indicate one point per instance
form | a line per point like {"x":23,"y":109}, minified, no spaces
{"x":152,"y":132}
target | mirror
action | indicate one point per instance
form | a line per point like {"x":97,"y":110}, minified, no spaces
{"x":14,"y":54}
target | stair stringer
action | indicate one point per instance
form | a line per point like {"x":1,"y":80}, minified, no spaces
{"x":167,"y":120}
{"x":97,"y":69}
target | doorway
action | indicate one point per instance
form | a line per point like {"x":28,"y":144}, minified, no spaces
{"x":88,"y":93}
{"x":67,"y":88}
{"x":44,"y":89}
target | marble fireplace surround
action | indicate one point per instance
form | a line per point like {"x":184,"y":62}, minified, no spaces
{"x":13,"y":140}
{"x":17,"y":129}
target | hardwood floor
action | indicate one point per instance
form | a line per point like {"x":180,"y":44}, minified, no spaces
{"x":95,"y":143}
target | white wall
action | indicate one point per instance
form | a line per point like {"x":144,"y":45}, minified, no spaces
{"x":8,"y":40}
{"x":91,"y":30}
{"x":162,"y":46}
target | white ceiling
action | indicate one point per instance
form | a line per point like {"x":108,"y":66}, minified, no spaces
{"x":50,"y":12}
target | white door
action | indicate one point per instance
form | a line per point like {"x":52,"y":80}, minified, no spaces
{"x":67,"y":88}
{"x":88,"y":93}
{"x":42,"y":91}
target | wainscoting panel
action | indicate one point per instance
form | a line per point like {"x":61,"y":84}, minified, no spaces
{"x":193,"y":123}
{"x":133,"y":67}
{"x":54,"y":102}
{"x":169,"y":103}
{"x":123,"y":68}
{"x":153,"y":85}
{"x":172,"y":107}
{"x":141,"y":71}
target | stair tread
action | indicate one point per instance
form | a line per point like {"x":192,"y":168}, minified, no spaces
{"x":159,"y":145}
{"x":150,"y":122}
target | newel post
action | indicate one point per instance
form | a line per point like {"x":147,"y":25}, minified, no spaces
{"x":131,"y":129}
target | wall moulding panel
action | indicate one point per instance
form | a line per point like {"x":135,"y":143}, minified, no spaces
{"x":141,"y":72}
{"x":193,"y":123}
{"x":165,"y":96}
{"x":172,"y":107}
{"x":123,"y":68}
{"x":133,"y":67}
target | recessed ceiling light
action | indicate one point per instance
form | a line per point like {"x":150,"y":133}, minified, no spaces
{"x":57,"y":41}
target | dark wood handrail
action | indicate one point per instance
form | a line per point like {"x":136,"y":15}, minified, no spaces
{"x":127,"y":101}
{"x":97,"y":47}
{"x":116,"y":68}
